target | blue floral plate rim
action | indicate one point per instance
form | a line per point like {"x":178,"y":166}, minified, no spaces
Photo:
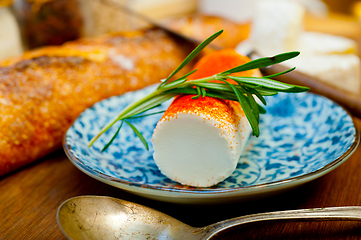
{"x":122,"y":183}
{"x":96,"y":174}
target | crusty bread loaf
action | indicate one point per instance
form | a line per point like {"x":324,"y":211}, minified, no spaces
{"x":43,"y":91}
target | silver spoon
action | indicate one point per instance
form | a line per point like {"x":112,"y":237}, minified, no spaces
{"x":97,"y":217}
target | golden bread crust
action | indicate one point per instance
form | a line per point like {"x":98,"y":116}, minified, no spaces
{"x":43,"y":91}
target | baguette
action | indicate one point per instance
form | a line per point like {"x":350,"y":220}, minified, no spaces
{"x":43,"y":91}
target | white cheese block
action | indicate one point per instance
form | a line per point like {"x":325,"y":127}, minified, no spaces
{"x":277,"y":26}
{"x":322,"y":43}
{"x":199,"y":142}
{"x":340,"y":70}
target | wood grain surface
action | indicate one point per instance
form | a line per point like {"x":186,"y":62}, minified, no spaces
{"x":29,"y":199}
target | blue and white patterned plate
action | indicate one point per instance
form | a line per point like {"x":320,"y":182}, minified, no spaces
{"x":303,"y":136}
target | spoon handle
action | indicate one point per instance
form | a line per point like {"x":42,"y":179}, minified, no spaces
{"x":331,"y":213}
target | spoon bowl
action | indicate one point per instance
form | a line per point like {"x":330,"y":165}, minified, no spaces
{"x":98,"y":217}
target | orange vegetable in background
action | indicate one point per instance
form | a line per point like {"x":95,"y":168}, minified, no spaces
{"x":220,"y":61}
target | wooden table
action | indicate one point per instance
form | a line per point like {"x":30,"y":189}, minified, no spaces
{"x":30,"y":197}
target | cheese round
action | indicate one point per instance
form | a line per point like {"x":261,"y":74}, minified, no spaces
{"x":199,"y":142}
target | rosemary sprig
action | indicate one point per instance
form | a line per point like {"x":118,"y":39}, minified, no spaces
{"x":244,"y":91}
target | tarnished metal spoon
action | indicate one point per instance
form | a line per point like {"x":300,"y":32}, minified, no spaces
{"x":97,"y":217}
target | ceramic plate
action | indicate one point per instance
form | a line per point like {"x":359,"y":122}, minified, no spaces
{"x":303,"y":136}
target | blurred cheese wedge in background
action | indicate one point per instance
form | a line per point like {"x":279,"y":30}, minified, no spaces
{"x":340,"y":70}
{"x":312,"y":43}
{"x":279,"y":27}
{"x":10,"y":40}
{"x":329,"y":58}
{"x":198,"y":142}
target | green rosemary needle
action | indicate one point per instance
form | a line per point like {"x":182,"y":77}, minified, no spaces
{"x":244,"y":91}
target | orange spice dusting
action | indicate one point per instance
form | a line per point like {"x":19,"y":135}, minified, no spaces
{"x":215,"y":109}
